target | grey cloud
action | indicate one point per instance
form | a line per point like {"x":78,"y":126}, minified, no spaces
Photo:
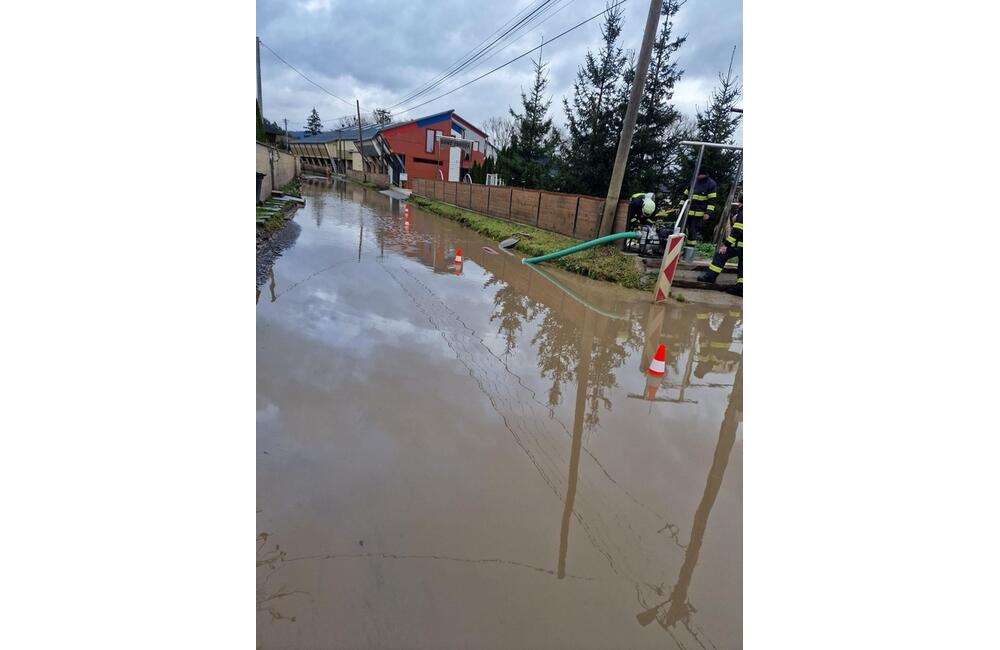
{"x":379,"y":50}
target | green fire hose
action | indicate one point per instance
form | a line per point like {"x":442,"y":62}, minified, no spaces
{"x":579,"y":247}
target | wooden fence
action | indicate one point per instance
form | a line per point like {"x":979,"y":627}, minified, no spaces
{"x":575,"y":215}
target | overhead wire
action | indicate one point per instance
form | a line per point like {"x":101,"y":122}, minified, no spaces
{"x":301,"y":74}
{"x":476,"y":56}
{"x":471,"y":55}
{"x":516,"y":37}
{"x":483,"y":55}
{"x":516,"y":58}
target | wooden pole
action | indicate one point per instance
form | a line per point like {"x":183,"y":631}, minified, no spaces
{"x":361,"y":144}
{"x":631,"y":113}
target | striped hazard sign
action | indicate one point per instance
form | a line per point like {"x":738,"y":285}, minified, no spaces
{"x":667,"y":268}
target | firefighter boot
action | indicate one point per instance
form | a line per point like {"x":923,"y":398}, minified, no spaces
{"x":736,"y":289}
{"x":708,"y":276}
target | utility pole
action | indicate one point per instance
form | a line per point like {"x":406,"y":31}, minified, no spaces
{"x":259,"y":101}
{"x":625,"y":142}
{"x":361,"y":144}
{"x":287,"y":146}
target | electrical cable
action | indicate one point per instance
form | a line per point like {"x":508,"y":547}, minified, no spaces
{"x":462,"y":61}
{"x":520,"y":56}
{"x":303,"y":75}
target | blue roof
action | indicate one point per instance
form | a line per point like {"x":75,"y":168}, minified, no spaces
{"x":346,"y":133}
{"x":431,"y":119}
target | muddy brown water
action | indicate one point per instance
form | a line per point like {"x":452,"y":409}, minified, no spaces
{"x":475,"y":457}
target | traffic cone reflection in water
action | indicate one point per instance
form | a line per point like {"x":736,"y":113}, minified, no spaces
{"x":652,"y":385}
{"x":406,"y":219}
{"x":658,"y":366}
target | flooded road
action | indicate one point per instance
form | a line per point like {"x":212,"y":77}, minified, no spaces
{"x":473,"y":456}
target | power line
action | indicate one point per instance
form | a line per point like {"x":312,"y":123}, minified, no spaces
{"x":476,"y":54}
{"x":520,"y":56}
{"x":517,"y":37}
{"x":303,"y":75}
{"x":519,"y":33}
{"x":411,"y":93}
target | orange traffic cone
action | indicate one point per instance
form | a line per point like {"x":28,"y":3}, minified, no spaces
{"x":658,"y":365}
{"x":458,"y":256}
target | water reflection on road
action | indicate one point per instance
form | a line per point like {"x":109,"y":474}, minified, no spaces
{"x":472,"y":454}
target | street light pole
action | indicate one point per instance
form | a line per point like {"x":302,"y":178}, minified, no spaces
{"x":625,"y":142}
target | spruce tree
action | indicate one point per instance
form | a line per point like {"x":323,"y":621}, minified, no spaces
{"x":594,"y":118}
{"x":534,"y":140}
{"x":314,"y":125}
{"x":656,"y":137}
{"x":261,"y":134}
{"x":717,"y":123}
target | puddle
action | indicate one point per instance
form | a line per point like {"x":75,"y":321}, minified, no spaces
{"x":473,"y":455}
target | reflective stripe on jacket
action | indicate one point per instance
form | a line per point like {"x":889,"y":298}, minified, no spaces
{"x":703,"y":199}
{"x":735,"y":237}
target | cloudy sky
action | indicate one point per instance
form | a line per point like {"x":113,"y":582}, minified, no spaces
{"x":379,"y":50}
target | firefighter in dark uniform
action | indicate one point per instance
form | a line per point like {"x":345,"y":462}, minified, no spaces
{"x":733,"y":247}
{"x":641,"y":207}
{"x":702,"y":207}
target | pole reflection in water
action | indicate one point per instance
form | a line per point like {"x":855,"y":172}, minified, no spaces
{"x":677,"y":608}
{"x":582,"y":372}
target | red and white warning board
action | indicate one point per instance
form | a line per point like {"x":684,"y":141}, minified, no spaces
{"x":668,"y":267}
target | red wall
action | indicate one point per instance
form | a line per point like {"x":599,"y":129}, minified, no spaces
{"x":410,"y":140}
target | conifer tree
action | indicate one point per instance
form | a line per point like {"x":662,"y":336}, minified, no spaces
{"x":534,"y":140}
{"x":594,"y":117}
{"x":314,"y":125}
{"x":656,"y":137}
{"x":717,"y":123}
{"x":261,"y":135}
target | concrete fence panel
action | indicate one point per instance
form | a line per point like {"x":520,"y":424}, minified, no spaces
{"x":588,"y":217}
{"x":464,"y":195}
{"x":500,"y":199}
{"x":524,"y":206}
{"x":478,"y":199}
{"x":567,"y":214}
{"x":557,"y":212}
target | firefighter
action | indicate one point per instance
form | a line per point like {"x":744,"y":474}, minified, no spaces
{"x":702,"y":206}
{"x":640,"y":207}
{"x":732,"y":247}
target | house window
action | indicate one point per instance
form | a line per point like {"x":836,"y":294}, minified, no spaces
{"x":475,"y":145}
{"x":429,"y":147}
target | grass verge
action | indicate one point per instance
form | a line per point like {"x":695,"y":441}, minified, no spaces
{"x":272,"y":216}
{"x":601,"y":263}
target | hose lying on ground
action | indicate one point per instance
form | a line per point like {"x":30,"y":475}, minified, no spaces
{"x":579,"y":247}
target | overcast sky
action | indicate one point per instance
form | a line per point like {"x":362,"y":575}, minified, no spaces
{"x":379,"y":50}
